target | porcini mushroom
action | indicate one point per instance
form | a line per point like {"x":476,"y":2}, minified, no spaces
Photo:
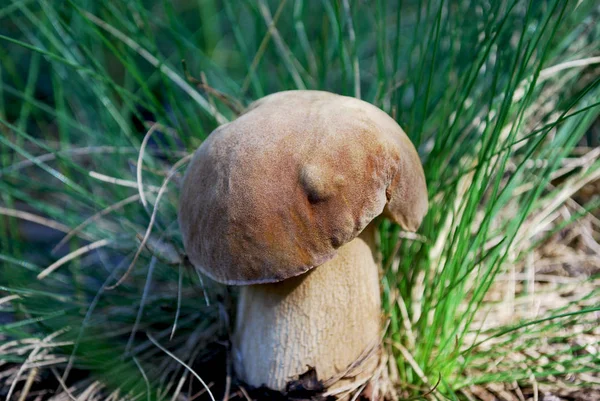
{"x":280,"y":202}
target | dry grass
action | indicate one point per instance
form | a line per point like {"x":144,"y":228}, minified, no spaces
{"x":559,"y":272}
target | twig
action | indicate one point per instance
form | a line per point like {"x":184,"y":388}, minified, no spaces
{"x":227,"y":386}
{"x":179,"y":386}
{"x":359,"y":391}
{"x":584,"y":62}
{"x":30,"y":357}
{"x":93,"y":218}
{"x":117,"y":181}
{"x":411,"y":361}
{"x":62,"y":384}
{"x":229,"y":101}
{"x":140,"y":163}
{"x":534,"y":385}
{"x":71,"y":256}
{"x":245,"y":393}
{"x":9,"y":298}
{"x":161,"y":191}
{"x":182,"y":364}
{"x":28,"y":383}
{"x":34,"y":218}
{"x":199,"y":393}
{"x":406,"y":320}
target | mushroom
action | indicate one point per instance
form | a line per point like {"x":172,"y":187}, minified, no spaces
{"x":283,"y":201}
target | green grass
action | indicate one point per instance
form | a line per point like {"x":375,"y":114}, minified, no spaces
{"x":471,"y":82}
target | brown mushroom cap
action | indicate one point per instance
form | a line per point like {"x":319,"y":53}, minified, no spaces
{"x":274,"y":193}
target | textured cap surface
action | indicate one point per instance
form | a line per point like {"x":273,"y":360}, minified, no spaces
{"x":274,"y":193}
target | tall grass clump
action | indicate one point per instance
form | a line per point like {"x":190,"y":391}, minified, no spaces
{"x":102,"y":102}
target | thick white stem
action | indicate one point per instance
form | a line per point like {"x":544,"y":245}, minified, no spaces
{"x":324,"y":319}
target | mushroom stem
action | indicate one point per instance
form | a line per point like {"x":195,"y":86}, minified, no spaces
{"x":327,"y":319}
